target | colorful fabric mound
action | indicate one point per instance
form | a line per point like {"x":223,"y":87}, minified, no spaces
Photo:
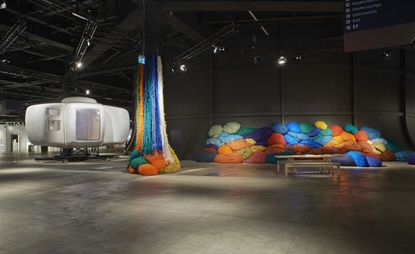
{"x":152,"y":154}
{"x":359,"y":147}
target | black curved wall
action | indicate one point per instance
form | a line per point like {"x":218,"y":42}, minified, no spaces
{"x":361,"y":88}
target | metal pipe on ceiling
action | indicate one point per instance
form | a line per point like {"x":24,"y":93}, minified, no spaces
{"x":256,"y":20}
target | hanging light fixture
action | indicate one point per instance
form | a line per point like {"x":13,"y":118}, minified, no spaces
{"x":3,"y":5}
{"x":222,"y":49}
{"x":282,"y":60}
{"x":218,"y":49}
{"x":256,"y":59}
{"x":387,"y":54}
{"x":215,"y":49}
{"x":182,"y":67}
{"x":78,"y":65}
{"x":298,"y":57}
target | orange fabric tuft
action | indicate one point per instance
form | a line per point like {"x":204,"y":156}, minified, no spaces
{"x":159,"y":164}
{"x":257,"y":157}
{"x":388,"y":156}
{"x":316,"y":151}
{"x":155,"y":156}
{"x":273,"y":150}
{"x":225,"y":149}
{"x":365,"y":147}
{"x":229,"y":158}
{"x":148,"y":170}
{"x":375,"y":155}
{"x":276,"y":139}
{"x":237,"y":145}
{"x":361,"y":136}
{"x":132,"y":170}
{"x":299,"y":149}
{"x":209,"y":150}
{"x":336,"y":130}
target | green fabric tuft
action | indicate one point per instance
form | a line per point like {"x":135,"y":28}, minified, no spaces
{"x":135,"y":163}
{"x":245,"y":131}
{"x":306,"y":127}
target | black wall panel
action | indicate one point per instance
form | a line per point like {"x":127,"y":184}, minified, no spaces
{"x":321,"y":90}
{"x":378,"y":91}
{"x":187,"y":94}
{"x":249,"y":90}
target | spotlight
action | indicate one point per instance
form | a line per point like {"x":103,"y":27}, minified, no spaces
{"x":4,"y":60}
{"x":3,"y":5}
{"x":256,"y":59}
{"x":218,"y":49}
{"x":173,"y":69}
{"x":282,"y":60}
{"x":387,"y":55}
{"x":215,"y":49}
{"x":79,"y":65}
{"x":88,"y":42}
{"x":87,"y":92}
{"x":183,"y":68}
{"x":298,"y":57}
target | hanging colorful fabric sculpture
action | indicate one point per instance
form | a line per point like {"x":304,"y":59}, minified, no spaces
{"x":151,"y":131}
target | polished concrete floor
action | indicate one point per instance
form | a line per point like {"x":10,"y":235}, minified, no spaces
{"x":95,"y":207}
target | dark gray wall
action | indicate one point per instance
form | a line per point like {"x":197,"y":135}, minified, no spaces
{"x":360,"y":88}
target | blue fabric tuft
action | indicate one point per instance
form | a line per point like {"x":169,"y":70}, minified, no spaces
{"x":344,"y":161}
{"x":311,"y":143}
{"x":280,"y":128}
{"x":358,"y":158}
{"x":299,"y":136}
{"x":373,"y":162}
{"x":314,"y":132}
{"x":293,"y":127}
{"x":371,"y":133}
{"x":404,"y":155}
{"x":290,"y":140}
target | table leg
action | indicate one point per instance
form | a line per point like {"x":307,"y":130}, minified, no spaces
{"x":285,"y":166}
{"x":278,"y":167}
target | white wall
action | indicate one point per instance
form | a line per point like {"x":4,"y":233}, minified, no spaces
{"x":5,"y":138}
{"x":2,"y":138}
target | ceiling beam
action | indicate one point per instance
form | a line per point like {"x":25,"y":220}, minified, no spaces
{"x":177,"y":24}
{"x":281,"y":6}
{"x":54,"y":78}
{"x":59,"y":29}
{"x":41,"y":39}
{"x":13,"y":85}
{"x":107,"y":71}
{"x":130,"y":23}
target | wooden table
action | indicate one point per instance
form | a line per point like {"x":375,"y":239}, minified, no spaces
{"x":322,"y":161}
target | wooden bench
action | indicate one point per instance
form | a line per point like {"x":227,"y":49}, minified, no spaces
{"x":293,"y":162}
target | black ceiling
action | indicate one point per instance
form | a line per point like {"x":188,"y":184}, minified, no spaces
{"x":34,"y":67}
